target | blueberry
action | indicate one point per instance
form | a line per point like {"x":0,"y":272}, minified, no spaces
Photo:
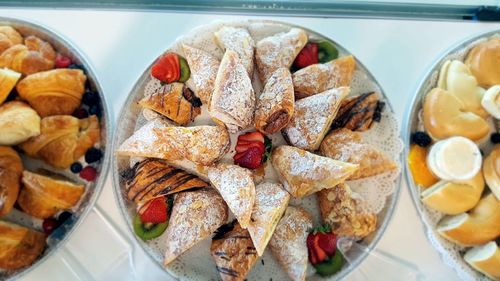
{"x":93,"y":155}
{"x":421,"y":139}
{"x":64,"y":216}
{"x":95,"y":110}
{"x":80,"y":113}
{"x":495,"y":138}
{"x":90,"y":98}
{"x":76,"y":167}
{"x":380,"y":106}
{"x":77,"y":66}
{"x":377,"y":116}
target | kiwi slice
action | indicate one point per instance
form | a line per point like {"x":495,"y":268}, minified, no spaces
{"x":326,"y":52}
{"x":147,"y":231}
{"x":185,"y":72}
{"x":331,"y":266}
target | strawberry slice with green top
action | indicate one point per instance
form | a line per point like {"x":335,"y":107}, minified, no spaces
{"x":252,"y":137}
{"x":167,"y":68}
{"x":322,"y":249}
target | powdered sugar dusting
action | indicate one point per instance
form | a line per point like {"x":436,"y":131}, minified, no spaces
{"x":240,"y":41}
{"x":203,"y":68}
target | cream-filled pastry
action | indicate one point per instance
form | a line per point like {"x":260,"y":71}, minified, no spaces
{"x":491,"y":101}
{"x":483,"y":61}
{"x":491,"y":171}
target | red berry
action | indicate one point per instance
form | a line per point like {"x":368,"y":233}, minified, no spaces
{"x":316,"y":253}
{"x":167,"y":68}
{"x":155,"y":211}
{"x":244,"y":147}
{"x":307,"y":56}
{"x":62,"y":61}
{"x":252,"y":158}
{"x":49,"y":225}
{"x":88,"y":173}
{"x":327,"y":242}
{"x":252,"y":137}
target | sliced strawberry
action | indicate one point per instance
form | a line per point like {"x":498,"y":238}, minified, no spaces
{"x":245,"y":147}
{"x":307,"y":56}
{"x":251,"y":137}
{"x":167,"y":68}
{"x":155,"y":211}
{"x":316,"y":254}
{"x":328,"y":242}
{"x":251,"y":158}
{"x":238,"y":156}
{"x":321,"y":244}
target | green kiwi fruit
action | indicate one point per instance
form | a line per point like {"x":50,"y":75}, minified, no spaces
{"x":185,"y":72}
{"x":147,"y":231}
{"x":326,"y":52}
{"x":331,"y":265}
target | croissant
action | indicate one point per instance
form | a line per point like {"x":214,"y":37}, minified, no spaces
{"x":34,"y":56}
{"x":11,"y":168}
{"x":63,"y":139}
{"x":19,"y":246}
{"x":43,"y":196}
{"x":9,"y":37}
{"x":8,"y":80}
{"x":53,"y":92}
{"x":18,"y":122}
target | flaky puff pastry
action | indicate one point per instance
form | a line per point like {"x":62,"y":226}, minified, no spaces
{"x":288,"y":243}
{"x":18,"y":122}
{"x":19,"y":246}
{"x":9,"y":37}
{"x":8,"y":80}
{"x":53,"y":92}
{"x":34,"y":56}
{"x":63,"y":139}
{"x":346,"y":212}
{"x":276,"y":103}
{"x":204,"y":69}
{"x":278,"y":51}
{"x":318,"y":78}
{"x":238,"y":40}
{"x":303,"y":173}
{"x":42,"y":196}
{"x":195,"y":216}
{"x":348,"y":146}
{"x":11,"y":169}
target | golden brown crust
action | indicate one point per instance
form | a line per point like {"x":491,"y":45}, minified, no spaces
{"x":19,"y":246}
{"x":234,"y":254}
{"x":8,"y":80}
{"x":9,"y":37}
{"x":11,"y":169}
{"x":203,"y":68}
{"x":356,"y":113}
{"x":53,"y":92}
{"x":63,"y":139}
{"x":18,"y":122}
{"x":35,"y":56}
{"x":483,"y":61}
{"x":43,"y":196}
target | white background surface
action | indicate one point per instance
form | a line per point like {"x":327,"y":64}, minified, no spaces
{"x":120,"y":45}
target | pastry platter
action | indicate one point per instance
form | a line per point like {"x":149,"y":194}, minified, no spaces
{"x":244,"y":136}
{"x":451,"y":136}
{"x":54,"y":128}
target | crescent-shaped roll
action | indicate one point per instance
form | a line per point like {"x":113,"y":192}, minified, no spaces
{"x":9,"y":37}
{"x":18,"y":122}
{"x":11,"y":169}
{"x":19,"y":246}
{"x":34,"y":56}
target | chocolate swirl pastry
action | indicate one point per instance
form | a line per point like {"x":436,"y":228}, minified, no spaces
{"x":152,"y":178}
{"x":358,"y":113}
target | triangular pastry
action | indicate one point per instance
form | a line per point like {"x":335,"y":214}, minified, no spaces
{"x":288,"y":243}
{"x":233,"y":252}
{"x":271,"y":201}
{"x":303,"y":173}
{"x":276,"y":102}
{"x":238,"y":40}
{"x":195,"y":216}
{"x":19,"y":246}
{"x":233,"y":99}
{"x":318,"y":78}
{"x":203,"y":68}
{"x":278,"y":51}
{"x":313,"y":117}
{"x":348,"y":146}
{"x":346,"y":212}
{"x":236,"y":186}
{"x":157,"y":139}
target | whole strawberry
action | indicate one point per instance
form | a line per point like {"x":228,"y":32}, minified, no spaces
{"x":321,"y":244}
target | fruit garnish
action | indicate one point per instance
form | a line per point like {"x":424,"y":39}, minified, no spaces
{"x":88,"y":173}
{"x":62,"y":61}
{"x":76,"y":167}
{"x":184,"y":68}
{"x":49,"y":225}
{"x":251,"y":137}
{"x":251,"y":150}
{"x":495,"y":138}
{"x":421,"y":139}
{"x":167,"y":68}
{"x":251,"y":158}
{"x":331,"y":266}
{"x":417,"y":161}
{"x":321,"y":243}
{"x":154,"y":211}
{"x":269,"y":147}
{"x":80,"y":113}
{"x":95,"y":110}
{"x":64,"y":216}
{"x":93,"y":155}
{"x":77,"y":66}
{"x":327,"y":52}
{"x":307,"y":56}
{"x":247,"y":145}
{"x":147,"y":231}
{"x":90,"y":98}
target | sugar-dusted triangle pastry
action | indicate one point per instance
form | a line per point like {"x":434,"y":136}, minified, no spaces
{"x":239,"y":40}
{"x":313,"y":117}
{"x":303,"y":173}
{"x":318,"y":78}
{"x":348,"y":146}
{"x":19,"y":246}
{"x":236,"y":186}
{"x":346,"y":211}
{"x":233,"y":99}
{"x":158,"y":139}
{"x":276,"y":103}
{"x":271,"y":201}
{"x":195,"y":216}
{"x":288,"y":243}
{"x":233,"y":252}
{"x":203,"y":68}
{"x":175,"y":101}
{"x":278,"y":51}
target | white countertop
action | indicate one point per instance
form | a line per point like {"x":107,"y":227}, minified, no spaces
{"x":120,"y":45}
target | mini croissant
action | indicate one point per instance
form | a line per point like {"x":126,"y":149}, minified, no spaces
{"x":34,"y":56}
{"x":63,"y":139}
{"x":9,"y":37}
{"x":11,"y":168}
{"x":53,"y":92}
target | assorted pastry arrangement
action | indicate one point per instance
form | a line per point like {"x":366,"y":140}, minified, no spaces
{"x":231,"y":194}
{"x":48,"y":113}
{"x":454,"y":158}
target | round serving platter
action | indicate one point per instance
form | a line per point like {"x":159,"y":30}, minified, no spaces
{"x":450,"y":253}
{"x":197,"y":265}
{"x":62,"y":234}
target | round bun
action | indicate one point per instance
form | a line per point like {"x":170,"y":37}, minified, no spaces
{"x":491,"y":171}
{"x":18,"y":122}
{"x":483,"y":61}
